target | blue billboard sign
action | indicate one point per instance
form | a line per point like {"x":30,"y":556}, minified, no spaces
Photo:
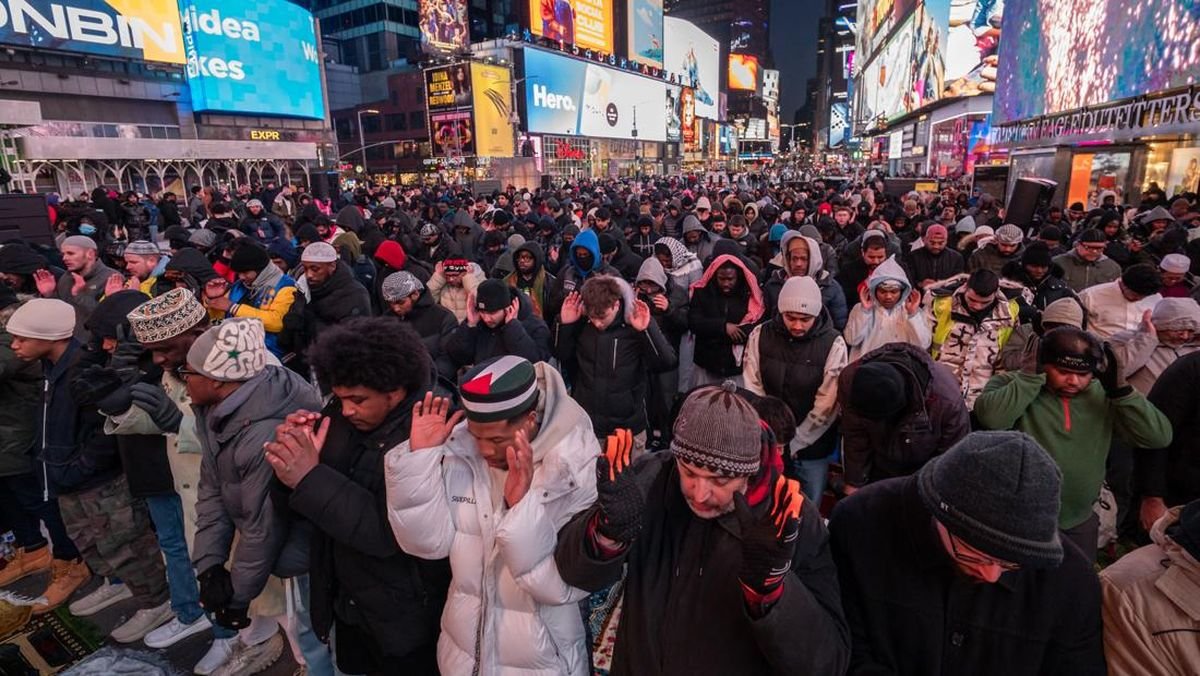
{"x":256,"y":58}
{"x":144,"y":30}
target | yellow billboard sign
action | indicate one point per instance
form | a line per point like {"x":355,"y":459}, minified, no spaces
{"x":491,"y":88}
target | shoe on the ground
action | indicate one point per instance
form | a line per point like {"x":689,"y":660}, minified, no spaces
{"x":216,"y":657}
{"x":65,"y":578}
{"x":175,"y":631}
{"x":106,"y":595}
{"x":143,"y":622}
{"x":251,"y":659}
{"x":23,"y":564}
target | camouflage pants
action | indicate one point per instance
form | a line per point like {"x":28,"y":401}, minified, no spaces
{"x":113,"y":533}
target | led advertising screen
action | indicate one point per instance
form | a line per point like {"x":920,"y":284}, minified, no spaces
{"x":577,"y":98}
{"x":252,"y":58}
{"x":149,"y":31}
{"x":587,"y":23}
{"x":770,"y":85}
{"x":743,"y":72}
{"x":1184,"y":174}
{"x":451,"y":134}
{"x":972,"y":47}
{"x":674,"y":113}
{"x":694,"y":60}
{"x":645,"y":23}
{"x":444,"y":25}
{"x":907,"y":74}
{"x":876,"y":20}
{"x":839,"y":124}
{"x":1068,"y":54}
{"x":448,"y":87}
{"x":491,"y":92}
{"x":687,"y":113}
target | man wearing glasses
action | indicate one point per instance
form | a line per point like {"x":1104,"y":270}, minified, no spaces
{"x":961,"y":569}
{"x":1086,"y":265}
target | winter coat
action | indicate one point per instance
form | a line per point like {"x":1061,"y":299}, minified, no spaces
{"x":609,"y":367}
{"x":968,"y":344}
{"x":934,"y":420}
{"x":1077,"y":432}
{"x":703,"y":248}
{"x":1080,"y":274}
{"x":571,"y":275}
{"x":872,"y":327}
{"x":527,"y":337}
{"x":684,"y":611}
{"x":507,"y":604}
{"x":709,"y":311}
{"x":911,"y":612}
{"x":235,"y":482}
{"x":433,"y":323}
{"x":454,"y":298}
{"x":686,"y":269}
{"x":445,"y":248}
{"x":339,"y":299}
{"x":88,"y":298}
{"x":803,"y":372}
{"x":1143,"y":358}
{"x":832,"y":297}
{"x":268,"y":305}
{"x":921,"y":265}
{"x":359,"y":576}
{"x":988,"y":257}
{"x":538,"y":286}
{"x":1152,"y":607}
{"x":20,"y":382}
{"x":264,"y":228}
{"x":1051,"y":288}
{"x":1108,"y":312}
{"x":1172,"y":471}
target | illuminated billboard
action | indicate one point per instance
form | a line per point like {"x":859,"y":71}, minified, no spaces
{"x":839,"y":124}
{"x":687,"y":115}
{"x":908,"y":73}
{"x":1070,"y":54}
{"x":645,"y":24}
{"x":451,"y":134}
{"x":876,"y":20}
{"x":586,"y":23}
{"x":148,"y":31}
{"x":448,"y":87}
{"x":770,"y":85}
{"x":674,"y":113}
{"x":444,"y":25}
{"x":743,"y":72}
{"x":577,"y":98}
{"x":693,"y":59}
{"x":972,"y":47}
{"x":491,"y":91}
{"x":252,"y":58}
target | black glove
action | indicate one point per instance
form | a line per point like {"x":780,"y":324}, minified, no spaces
{"x":101,"y":387}
{"x":233,"y":618}
{"x":621,"y":501}
{"x":216,"y":589}
{"x":1112,"y":376}
{"x":154,"y":401}
{"x":769,"y":541}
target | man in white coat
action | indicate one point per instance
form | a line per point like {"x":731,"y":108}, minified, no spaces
{"x":492,"y":493}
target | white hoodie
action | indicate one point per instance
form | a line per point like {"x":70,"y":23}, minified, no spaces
{"x":870,"y":328}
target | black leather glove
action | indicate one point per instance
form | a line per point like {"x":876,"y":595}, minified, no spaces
{"x":621,"y":501}
{"x":233,"y":618}
{"x":101,"y":387}
{"x":769,"y":541}
{"x":1112,"y":376}
{"x":154,"y":401}
{"x":216,"y":589}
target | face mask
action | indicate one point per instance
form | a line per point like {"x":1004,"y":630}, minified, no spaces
{"x":86,"y":229}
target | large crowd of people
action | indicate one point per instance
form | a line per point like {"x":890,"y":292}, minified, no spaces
{"x":726,"y":424}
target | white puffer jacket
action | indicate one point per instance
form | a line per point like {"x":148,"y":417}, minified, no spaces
{"x":507,"y":608}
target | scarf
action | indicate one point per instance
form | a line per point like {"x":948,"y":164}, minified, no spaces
{"x":266,"y":280}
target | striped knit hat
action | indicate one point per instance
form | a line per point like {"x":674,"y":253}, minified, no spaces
{"x":499,"y":389}
{"x":718,"y":430}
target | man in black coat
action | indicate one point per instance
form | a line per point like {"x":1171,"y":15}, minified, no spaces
{"x":406,"y":299}
{"x":499,"y":322}
{"x":384,"y":604}
{"x":961,"y":569}
{"x":334,"y":296}
{"x":726,"y":566}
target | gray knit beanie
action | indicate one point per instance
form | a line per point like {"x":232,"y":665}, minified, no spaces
{"x":1000,"y":492}
{"x":719,"y":430}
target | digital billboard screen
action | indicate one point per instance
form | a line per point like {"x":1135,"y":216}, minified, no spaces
{"x":645,"y":23}
{"x":694,"y":60}
{"x":687,"y":114}
{"x":586,"y":23}
{"x":578,"y":98}
{"x":876,"y":20}
{"x":674,"y":113}
{"x":908,"y":73}
{"x":743,"y":72}
{"x":1068,"y":54}
{"x":491,"y":92}
{"x":972,"y":47}
{"x":252,"y":58}
{"x":148,"y":31}
{"x":839,"y":124}
{"x":451,"y":134}
{"x":444,"y":25}
{"x":448,"y":87}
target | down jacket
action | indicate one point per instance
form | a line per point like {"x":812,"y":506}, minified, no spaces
{"x":507,"y":603}
{"x":454,"y":298}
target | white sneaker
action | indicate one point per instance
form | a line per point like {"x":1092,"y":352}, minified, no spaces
{"x":216,"y":657}
{"x":104,"y":596}
{"x":251,"y":659}
{"x":175,"y":631}
{"x":143,"y":622}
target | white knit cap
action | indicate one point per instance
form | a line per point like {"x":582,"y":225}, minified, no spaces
{"x":43,"y":319}
{"x":1176,"y":263}
{"x":802,"y":295}
{"x":318,"y":252}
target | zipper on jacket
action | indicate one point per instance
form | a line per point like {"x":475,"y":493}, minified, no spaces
{"x":1066,"y":404}
{"x":45,"y":412}
{"x":614,"y":366}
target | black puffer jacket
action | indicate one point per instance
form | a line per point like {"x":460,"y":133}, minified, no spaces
{"x":340,"y":298}
{"x":359,"y":575}
{"x":527,"y":337}
{"x":793,"y":369}
{"x":708,"y":313}
{"x":433,"y":323}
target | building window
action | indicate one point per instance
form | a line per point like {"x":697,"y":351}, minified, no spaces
{"x":342,"y":126}
{"x":370,"y":124}
{"x":395,"y":122}
{"x":416,"y":119}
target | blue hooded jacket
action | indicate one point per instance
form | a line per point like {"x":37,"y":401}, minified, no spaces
{"x":588,"y":240}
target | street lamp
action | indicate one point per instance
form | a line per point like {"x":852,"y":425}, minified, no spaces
{"x":514,"y":118}
{"x":361,"y":141}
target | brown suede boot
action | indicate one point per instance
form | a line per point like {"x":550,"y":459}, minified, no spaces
{"x":25,"y":564}
{"x":65,"y":578}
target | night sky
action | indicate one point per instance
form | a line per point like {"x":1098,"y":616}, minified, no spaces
{"x":794,"y":44}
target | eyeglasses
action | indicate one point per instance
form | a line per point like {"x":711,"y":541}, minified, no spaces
{"x":183,"y":372}
{"x":967,"y":557}
{"x":1095,"y":247}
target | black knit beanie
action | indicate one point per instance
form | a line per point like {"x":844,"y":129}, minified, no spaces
{"x":249,"y":257}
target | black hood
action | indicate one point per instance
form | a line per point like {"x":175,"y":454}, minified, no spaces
{"x":192,"y":263}
{"x":536,"y":250}
{"x":18,"y":259}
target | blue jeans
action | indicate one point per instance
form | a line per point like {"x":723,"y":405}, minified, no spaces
{"x":317,"y":656}
{"x":813,"y":474}
{"x":166,"y":511}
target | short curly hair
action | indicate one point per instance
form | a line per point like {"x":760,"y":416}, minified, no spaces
{"x":379,"y":353}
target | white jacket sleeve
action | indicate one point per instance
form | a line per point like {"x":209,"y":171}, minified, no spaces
{"x":751,"y":372}
{"x":858,"y":325}
{"x":825,"y":406}
{"x":920,"y":329}
{"x":528,"y":535}
{"x":416,"y":501}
